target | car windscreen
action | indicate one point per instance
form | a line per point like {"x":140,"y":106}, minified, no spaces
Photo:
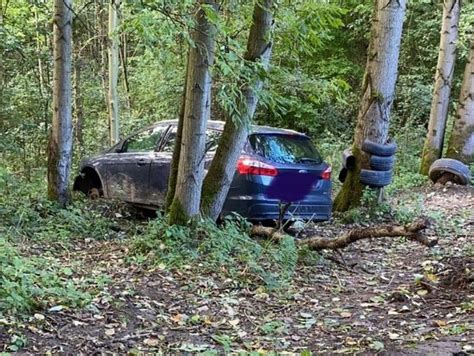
{"x":283,"y":148}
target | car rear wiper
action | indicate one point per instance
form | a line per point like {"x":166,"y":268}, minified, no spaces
{"x":308,"y":159}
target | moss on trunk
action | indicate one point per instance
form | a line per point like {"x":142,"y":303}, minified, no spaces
{"x":217,"y":179}
{"x":177,"y":215}
{"x":351,"y":192}
{"x":429,"y":156}
{"x":457,"y":142}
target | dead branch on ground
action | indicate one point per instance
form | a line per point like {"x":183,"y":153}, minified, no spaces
{"x":412,"y":231}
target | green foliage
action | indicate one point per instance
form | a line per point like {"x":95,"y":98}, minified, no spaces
{"x":227,"y":248}
{"x":26,"y":213}
{"x":34,"y":282}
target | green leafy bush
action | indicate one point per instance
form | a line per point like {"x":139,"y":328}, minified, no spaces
{"x":227,"y":248}
{"x":34,"y":282}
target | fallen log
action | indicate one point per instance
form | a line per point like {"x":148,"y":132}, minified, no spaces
{"x":412,"y":231}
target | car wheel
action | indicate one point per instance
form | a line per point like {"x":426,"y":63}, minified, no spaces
{"x":375,"y":178}
{"x":93,"y":193}
{"x":460,"y":171}
{"x":382,"y":163}
{"x":378,"y":149}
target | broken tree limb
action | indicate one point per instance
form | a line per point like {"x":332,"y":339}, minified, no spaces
{"x":411,"y":231}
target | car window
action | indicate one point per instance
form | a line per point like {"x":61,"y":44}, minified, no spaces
{"x":212,"y":140}
{"x":285,"y":148}
{"x":144,"y":141}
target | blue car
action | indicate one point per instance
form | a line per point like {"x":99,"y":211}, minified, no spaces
{"x":276,"y":166}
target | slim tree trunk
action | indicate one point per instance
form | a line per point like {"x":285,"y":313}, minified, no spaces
{"x":113,"y":52}
{"x":378,"y":90}
{"x":221,"y":172}
{"x":196,"y":113}
{"x":433,"y":147}
{"x":102,"y":37}
{"x":461,"y":142}
{"x":78,"y":108}
{"x":61,"y":139}
{"x":173,"y":177}
{"x":123,"y":60}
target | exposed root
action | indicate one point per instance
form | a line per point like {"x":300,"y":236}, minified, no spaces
{"x":411,"y":231}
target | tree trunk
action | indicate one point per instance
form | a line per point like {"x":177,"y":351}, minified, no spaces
{"x":378,"y":90}
{"x":221,"y":172}
{"x":461,"y":142}
{"x":124,"y":60}
{"x":433,"y":147}
{"x":61,"y":139}
{"x":196,"y":113}
{"x":78,"y":107}
{"x":173,"y":177}
{"x":113,"y":52}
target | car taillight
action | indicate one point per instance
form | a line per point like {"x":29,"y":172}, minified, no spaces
{"x":248,"y":165}
{"x":326,"y":174}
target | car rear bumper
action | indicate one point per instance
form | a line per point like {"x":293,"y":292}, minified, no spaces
{"x":265,"y":209}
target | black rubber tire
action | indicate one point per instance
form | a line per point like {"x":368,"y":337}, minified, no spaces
{"x":348,"y":159}
{"x":342,"y":175}
{"x":388,"y":149}
{"x":382,"y":163}
{"x":453,"y":166}
{"x":375,"y":178}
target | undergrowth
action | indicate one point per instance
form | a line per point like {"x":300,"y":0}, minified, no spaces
{"x":31,"y":278}
{"x":30,"y":283}
{"x":228,"y":249}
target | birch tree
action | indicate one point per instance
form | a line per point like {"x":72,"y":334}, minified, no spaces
{"x":113,"y":54}
{"x":378,"y":90}
{"x":221,"y":172}
{"x":61,"y":138}
{"x":442,"y":88}
{"x":190,"y":175}
{"x":461,"y":142}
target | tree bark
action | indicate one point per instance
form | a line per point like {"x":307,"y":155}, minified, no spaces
{"x":221,"y":172}
{"x":461,"y":142}
{"x":433,"y":147}
{"x":78,"y":102}
{"x":173,"y":177}
{"x":196,"y":113}
{"x":378,"y":90}
{"x":61,"y":138}
{"x":113,"y":53}
{"x":317,"y":243}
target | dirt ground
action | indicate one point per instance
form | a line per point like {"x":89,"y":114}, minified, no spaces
{"x":389,"y":296}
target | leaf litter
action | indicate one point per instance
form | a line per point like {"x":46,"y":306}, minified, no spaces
{"x":377,"y":296}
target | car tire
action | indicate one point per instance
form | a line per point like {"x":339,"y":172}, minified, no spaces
{"x":385,"y":150}
{"x":382,"y":163}
{"x":348,"y":159}
{"x":342,"y":175}
{"x":453,"y":166}
{"x":375,"y":178}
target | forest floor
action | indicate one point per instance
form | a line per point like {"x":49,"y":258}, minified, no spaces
{"x":383,"y":295}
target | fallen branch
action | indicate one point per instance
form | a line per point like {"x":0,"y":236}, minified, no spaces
{"x":411,"y":231}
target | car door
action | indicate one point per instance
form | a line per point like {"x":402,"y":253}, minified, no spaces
{"x":128,"y":171}
{"x":161,"y":164}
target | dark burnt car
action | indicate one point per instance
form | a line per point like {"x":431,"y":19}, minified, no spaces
{"x":136,"y":170}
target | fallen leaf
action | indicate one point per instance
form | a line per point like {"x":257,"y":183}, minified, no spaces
{"x":152,"y":341}
{"x":39,"y":316}
{"x":110,"y":332}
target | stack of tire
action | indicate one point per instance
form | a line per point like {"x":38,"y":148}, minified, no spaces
{"x":382,"y":161}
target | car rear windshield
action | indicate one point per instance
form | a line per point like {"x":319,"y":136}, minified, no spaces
{"x":281,"y":148}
